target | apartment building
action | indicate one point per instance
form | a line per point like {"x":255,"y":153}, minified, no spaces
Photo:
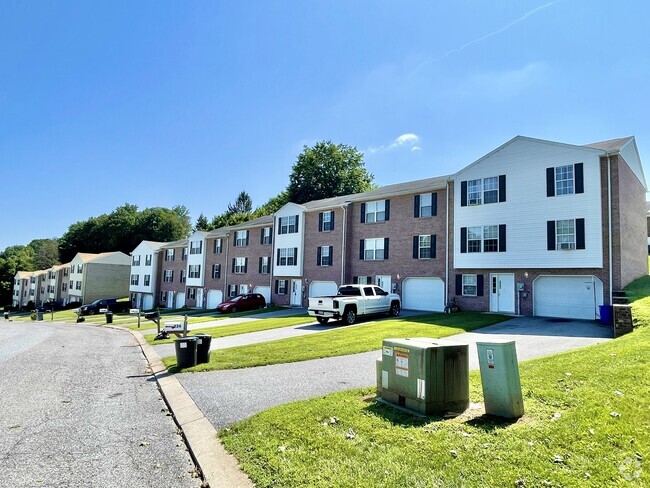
{"x":172,"y":274}
{"x":95,"y":276}
{"x":144,"y":281}
{"x":21,"y":288}
{"x":58,"y":277}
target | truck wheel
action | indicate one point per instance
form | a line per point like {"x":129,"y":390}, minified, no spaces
{"x":394,"y":309}
{"x":349,"y":316}
{"x":322,"y":320}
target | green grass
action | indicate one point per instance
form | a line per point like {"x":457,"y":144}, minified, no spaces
{"x":587,"y":423}
{"x":342,"y":341}
{"x":243,"y":328}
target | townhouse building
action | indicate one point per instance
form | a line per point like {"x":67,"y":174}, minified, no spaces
{"x":195,"y":292}
{"x":172,"y":274}
{"x":22,"y":281}
{"x":144,"y":282}
{"x":95,"y":276}
{"x":58,"y":284}
{"x":41,"y":287}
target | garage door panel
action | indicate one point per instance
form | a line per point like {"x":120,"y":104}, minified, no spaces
{"x":265,"y":291}
{"x":575,"y":297}
{"x":215,"y":297}
{"x":322,"y":289}
{"x":426,"y":294}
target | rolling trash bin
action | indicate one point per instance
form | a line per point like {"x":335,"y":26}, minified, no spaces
{"x":186,"y":351}
{"x":606,"y":314}
{"x":203,"y":348}
{"x":109,"y":317}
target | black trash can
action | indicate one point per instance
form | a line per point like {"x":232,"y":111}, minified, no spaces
{"x":6,"y":315}
{"x":186,"y":351}
{"x":39,"y":315}
{"x":109,"y":317}
{"x":203,"y":348}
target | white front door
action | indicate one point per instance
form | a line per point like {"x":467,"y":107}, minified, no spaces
{"x":502,"y":293}
{"x":170,"y":299}
{"x":384,"y":282}
{"x":296,"y":293}
{"x":199,"y":297}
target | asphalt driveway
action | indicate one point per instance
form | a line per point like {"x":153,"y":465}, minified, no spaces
{"x":226,"y":397}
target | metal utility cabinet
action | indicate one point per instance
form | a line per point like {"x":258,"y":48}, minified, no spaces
{"x":500,"y":379}
{"x":425,"y":375}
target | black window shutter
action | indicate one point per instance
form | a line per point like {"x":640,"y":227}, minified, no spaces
{"x":247,"y":236}
{"x":416,"y":246}
{"x":386,"y":248}
{"x":502,"y":188}
{"x":318,"y":255}
{"x":579,"y":176}
{"x":234,"y":239}
{"x":233,"y":265}
{"x":463,"y":194}
{"x":580,"y":233}
{"x":277,"y":284}
{"x":297,"y":217}
{"x":387,"y":209}
{"x":363,"y":213}
{"x":550,"y":182}
{"x":433,"y":245}
{"x":463,"y":239}
{"x":295,"y":256}
{"x":416,"y":206}
{"x":332,"y":221}
{"x":368,"y":280}
{"x":245,"y":265}
{"x":262,"y":236}
{"x":550,"y":235}
{"x":362,"y":248}
{"x":278,"y":262}
{"x":502,"y":238}
{"x":320,"y":222}
{"x":355,"y":280}
{"x":332,"y":252}
{"x":434,"y":204}
{"x":479,"y":285}
{"x":459,"y":284}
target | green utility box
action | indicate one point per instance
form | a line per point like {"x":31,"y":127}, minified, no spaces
{"x":500,"y":379}
{"x":428,"y":376}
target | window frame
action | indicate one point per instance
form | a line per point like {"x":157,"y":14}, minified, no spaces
{"x":282,"y":287}
{"x":240,"y":238}
{"x":194,"y":271}
{"x":328,"y":225}
{"x":424,"y":247}
{"x":475,"y":192}
{"x":168,"y":276}
{"x":374,"y":249}
{"x":325,"y":257}
{"x":240,"y":265}
{"x":475,"y":285}
{"x":565,"y":223}
{"x":373,"y":211}
{"x":422,"y":212}
{"x":564,"y":184}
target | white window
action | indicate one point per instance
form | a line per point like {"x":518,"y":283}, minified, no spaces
{"x":191,"y":293}
{"x":287,"y":256}
{"x":325,"y":258}
{"x":425,"y":205}
{"x":195,"y":271}
{"x":289,"y":225}
{"x":65,"y":271}
{"x":216,"y":271}
{"x":474,"y":192}
{"x":64,"y":286}
{"x":565,"y":234}
{"x":136,"y":260}
{"x":240,"y":265}
{"x":78,"y":287}
{"x":364,"y":280}
{"x":240,"y":238}
{"x":80,"y":268}
{"x":196,"y":247}
{"x":474,"y":237}
{"x":328,"y":225}
{"x":218,"y":246}
{"x":183,"y":277}
{"x":147,"y":260}
{"x":232,"y":290}
{"x":491,"y":190}
{"x":71,"y":284}
{"x":282,"y":287}
{"x":469,"y":285}
{"x":147,"y":280}
{"x":135,"y":279}
{"x":266,"y":235}
{"x":265,"y":267}
{"x":564,"y":180}
{"x":373,"y":249}
{"x":424,"y":251}
{"x":376,"y":211}
{"x":168,"y":276}
{"x":490,"y":238}
{"x":184,"y":254}
{"x":169,"y":255}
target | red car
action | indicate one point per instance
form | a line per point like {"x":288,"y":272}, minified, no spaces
{"x":239,"y":303}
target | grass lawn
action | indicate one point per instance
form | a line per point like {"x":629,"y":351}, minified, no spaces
{"x":243,"y":328}
{"x":341,"y":341}
{"x":587,"y":423}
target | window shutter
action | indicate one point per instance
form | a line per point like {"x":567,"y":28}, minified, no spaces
{"x":295,"y":256}
{"x":502,"y":188}
{"x":434,"y":204}
{"x":463,"y":194}
{"x":416,"y":247}
{"x":463,"y":239}
{"x":416,"y":207}
{"x":262,"y":235}
{"x":233,"y":265}
{"x":387,"y":210}
{"x":297,"y":219}
{"x":332,"y":252}
{"x":247,"y":236}
{"x":355,"y":280}
{"x":580,"y":233}
{"x":578,"y":174}
{"x":433,"y":245}
{"x":320,"y":222}
{"x":550,"y":182}
{"x":363,"y":213}
{"x":278,"y":261}
{"x":277,"y":284}
{"x":386,"y":248}
{"x":502,"y":238}
{"x":234,"y":238}
{"x":259,"y":268}
{"x":332,"y":221}
{"x":550,"y":235}
{"x":318,"y":255}
{"x":362,"y":248}
{"x":479,"y":285}
{"x":368,"y":280}
{"x":245,"y":265}
{"x":459,"y":284}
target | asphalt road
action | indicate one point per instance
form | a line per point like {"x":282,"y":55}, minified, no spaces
{"x":228,"y":396}
{"x":69,"y":395}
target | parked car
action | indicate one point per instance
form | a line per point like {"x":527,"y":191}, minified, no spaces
{"x":48,"y":306}
{"x":353,"y":301}
{"x":246,"y":301}
{"x":110,"y":303}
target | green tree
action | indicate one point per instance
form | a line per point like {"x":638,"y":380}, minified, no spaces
{"x":202,"y":223}
{"x":12,"y":260}
{"x":273,"y":205}
{"x":46,"y":252}
{"x":328,"y":170}
{"x":243,"y":204}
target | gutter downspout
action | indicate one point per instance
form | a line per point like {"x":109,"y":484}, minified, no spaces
{"x":225,"y":273}
{"x":343,"y":241}
{"x":446,"y":297}
{"x":609,"y":222}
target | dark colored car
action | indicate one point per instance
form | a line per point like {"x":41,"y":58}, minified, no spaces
{"x":48,"y":306}
{"x":247,"y":301}
{"x":111,"y":303}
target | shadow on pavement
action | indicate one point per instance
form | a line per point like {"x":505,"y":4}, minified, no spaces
{"x":541,"y":326}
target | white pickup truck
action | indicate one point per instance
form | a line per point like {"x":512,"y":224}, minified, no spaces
{"x":353,"y":301}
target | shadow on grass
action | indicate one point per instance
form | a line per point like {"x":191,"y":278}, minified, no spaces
{"x":490,"y":423}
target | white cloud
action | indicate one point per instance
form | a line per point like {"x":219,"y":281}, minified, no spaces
{"x":416,"y":148}
{"x":407,"y":140}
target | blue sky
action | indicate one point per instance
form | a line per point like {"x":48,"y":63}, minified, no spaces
{"x":159,"y":103}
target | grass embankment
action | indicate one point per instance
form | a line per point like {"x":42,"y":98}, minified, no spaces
{"x":587,"y":423}
{"x":341,"y":341}
{"x":242,"y":328}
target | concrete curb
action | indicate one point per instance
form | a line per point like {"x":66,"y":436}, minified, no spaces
{"x":219,"y":468}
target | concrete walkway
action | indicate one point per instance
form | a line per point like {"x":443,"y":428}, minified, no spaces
{"x":228,"y":396}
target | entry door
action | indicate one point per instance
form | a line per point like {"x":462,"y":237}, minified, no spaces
{"x":199,"y":297}
{"x":502,"y":293}
{"x":384,"y":282}
{"x":296,"y":293}
{"x":170,"y":299}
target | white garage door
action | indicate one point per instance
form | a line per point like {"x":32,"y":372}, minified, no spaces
{"x":180,"y":299}
{"x":265,"y":291}
{"x":215,"y":297}
{"x":147,"y":303}
{"x":576,"y":297}
{"x":322,"y":289}
{"x":423,"y":294}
